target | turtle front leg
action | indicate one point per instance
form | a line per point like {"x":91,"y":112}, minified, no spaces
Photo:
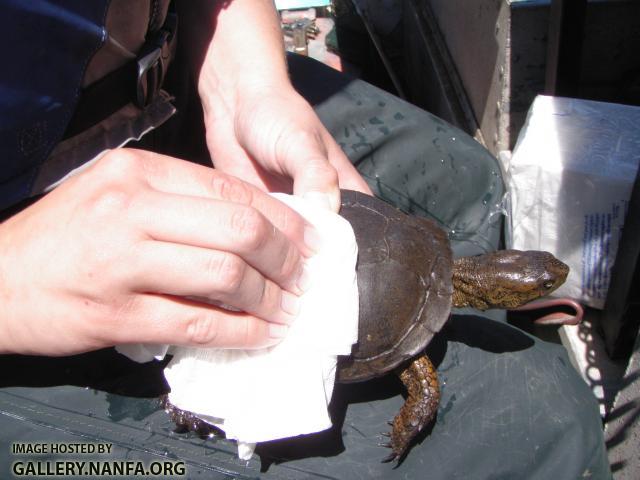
{"x":421,"y":380}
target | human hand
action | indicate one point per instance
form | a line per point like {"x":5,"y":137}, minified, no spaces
{"x":272,"y":138}
{"x":119,"y":253}
{"x":258,"y":127}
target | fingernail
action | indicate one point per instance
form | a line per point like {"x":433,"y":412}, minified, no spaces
{"x":290,"y":303}
{"x":304,"y":279}
{"x":318,"y":199}
{"x":312,"y":238}
{"x":277,"y":330}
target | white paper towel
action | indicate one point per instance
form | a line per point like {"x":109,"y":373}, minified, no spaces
{"x":283,"y":391}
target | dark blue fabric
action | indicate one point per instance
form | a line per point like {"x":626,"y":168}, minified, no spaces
{"x":45,"y":47}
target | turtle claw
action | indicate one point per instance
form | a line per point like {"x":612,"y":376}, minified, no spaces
{"x":390,"y":423}
{"x":386,"y":445}
{"x":385,"y":434}
{"x":389,"y":458}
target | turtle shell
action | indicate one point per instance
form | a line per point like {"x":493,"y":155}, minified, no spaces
{"x":404,"y":282}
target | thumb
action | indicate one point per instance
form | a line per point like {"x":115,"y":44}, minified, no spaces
{"x":314,"y":177}
{"x":316,"y":180}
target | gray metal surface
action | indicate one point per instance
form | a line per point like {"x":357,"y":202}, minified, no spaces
{"x":622,"y":431}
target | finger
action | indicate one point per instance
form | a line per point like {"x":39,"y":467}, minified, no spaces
{"x":348,"y":176}
{"x":158,"y":319}
{"x":212,"y":275}
{"x":170,"y":175}
{"x":305,"y":159}
{"x":218,"y":225}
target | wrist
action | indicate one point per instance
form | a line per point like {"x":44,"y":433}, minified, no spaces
{"x":245,"y":53}
{"x":224,"y":97}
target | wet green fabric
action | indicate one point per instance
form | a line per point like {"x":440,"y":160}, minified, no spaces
{"x":512,"y":406}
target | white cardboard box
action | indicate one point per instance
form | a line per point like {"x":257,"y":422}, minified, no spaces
{"x":570,"y":179}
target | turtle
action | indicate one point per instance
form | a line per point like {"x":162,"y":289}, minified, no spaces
{"x":408,"y":282}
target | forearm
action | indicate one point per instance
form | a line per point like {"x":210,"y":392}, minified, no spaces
{"x":245,"y":51}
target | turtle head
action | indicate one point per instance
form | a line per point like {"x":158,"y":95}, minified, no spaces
{"x":508,"y":278}
{"x":542,"y":273}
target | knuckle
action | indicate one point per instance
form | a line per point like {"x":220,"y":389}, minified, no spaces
{"x":286,"y":219}
{"x":291,"y":262}
{"x":107,"y":203}
{"x":231,"y":189}
{"x":203,"y":329}
{"x":300,"y":140}
{"x":209,"y":330}
{"x":272,"y":299}
{"x":114,"y":185}
{"x":228,"y":272}
{"x":111,"y":321}
{"x":332,"y":175}
{"x":117,"y":164}
{"x":323,"y":171}
{"x":261,"y":295}
{"x":252,"y":228}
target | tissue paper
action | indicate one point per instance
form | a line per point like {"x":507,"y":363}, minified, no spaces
{"x":283,"y":391}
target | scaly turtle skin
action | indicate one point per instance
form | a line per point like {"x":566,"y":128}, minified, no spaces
{"x":407,"y":284}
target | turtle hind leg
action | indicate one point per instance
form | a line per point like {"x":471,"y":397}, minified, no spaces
{"x":421,"y":380}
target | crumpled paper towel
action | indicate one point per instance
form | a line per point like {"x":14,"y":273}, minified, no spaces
{"x":283,"y":391}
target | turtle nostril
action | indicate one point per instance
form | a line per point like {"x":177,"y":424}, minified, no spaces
{"x":547,"y":285}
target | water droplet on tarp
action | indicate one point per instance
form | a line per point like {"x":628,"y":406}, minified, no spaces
{"x":446,"y":408}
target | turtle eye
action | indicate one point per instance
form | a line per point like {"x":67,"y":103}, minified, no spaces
{"x":548,"y":284}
